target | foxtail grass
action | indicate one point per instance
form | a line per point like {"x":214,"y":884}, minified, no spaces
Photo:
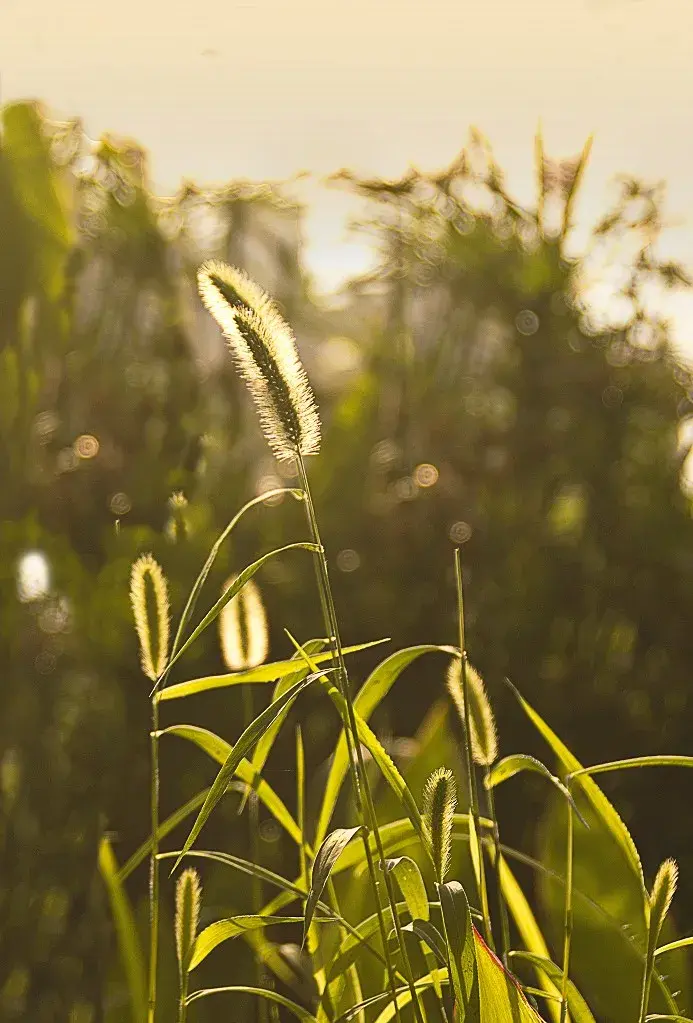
{"x":153,"y":666}
{"x":187,"y":918}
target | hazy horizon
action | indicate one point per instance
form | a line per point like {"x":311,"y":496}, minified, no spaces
{"x":264,"y":91}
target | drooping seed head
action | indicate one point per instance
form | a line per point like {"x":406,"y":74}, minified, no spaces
{"x":147,"y":568}
{"x":662,"y":893}
{"x":243,"y":628}
{"x":439,"y":805}
{"x":264,"y":349}
{"x":188,"y":898}
{"x":482,"y":724}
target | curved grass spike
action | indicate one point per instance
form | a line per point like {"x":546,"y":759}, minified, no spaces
{"x":188,"y":898}
{"x":144,"y":567}
{"x":439,"y":805}
{"x":483,"y":735}
{"x":660,"y":898}
{"x":264,"y":349}
{"x":243,"y":628}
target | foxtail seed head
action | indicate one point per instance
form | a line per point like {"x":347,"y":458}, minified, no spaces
{"x":662,"y":893}
{"x":243,"y":628}
{"x":482,"y":724}
{"x":144,"y":567}
{"x":188,"y":898}
{"x":439,"y":805}
{"x":264,"y":349}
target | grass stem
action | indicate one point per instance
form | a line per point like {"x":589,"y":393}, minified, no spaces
{"x":154,"y":866}
{"x":568,"y":915}
{"x":471,"y":776}
{"x":362,"y":792}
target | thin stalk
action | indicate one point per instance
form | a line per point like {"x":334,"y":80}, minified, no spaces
{"x":502,"y":908}
{"x":473,"y":793}
{"x":154,"y":864}
{"x":362,"y":792}
{"x":567,"y":916}
{"x":183,"y":1004}
{"x":257,"y":899}
{"x":652,"y":939}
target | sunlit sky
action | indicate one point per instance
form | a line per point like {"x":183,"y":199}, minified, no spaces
{"x":265,"y":88}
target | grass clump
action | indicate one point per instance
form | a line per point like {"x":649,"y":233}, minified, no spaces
{"x":416,"y":944}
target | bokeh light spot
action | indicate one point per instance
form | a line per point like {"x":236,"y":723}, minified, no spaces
{"x":33,"y":576}
{"x":527,"y":322}
{"x":348,"y":560}
{"x":120,"y":503}
{"x":460,"y":532}
{"x":426,"y":475}
{"x":86,"y":446}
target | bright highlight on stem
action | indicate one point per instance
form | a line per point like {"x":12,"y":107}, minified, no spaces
{"x":264,"y":349}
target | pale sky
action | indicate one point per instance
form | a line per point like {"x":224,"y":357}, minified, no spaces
{"x":265,"y":88}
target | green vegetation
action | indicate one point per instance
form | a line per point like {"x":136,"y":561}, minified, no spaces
{"x":467,"y":394}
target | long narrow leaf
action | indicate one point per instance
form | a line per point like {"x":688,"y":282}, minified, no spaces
{"x":234,"y":927}
{"x":126,"y":932}
{"x":220,"y":750}
{"x":578,"y":1007}
{"x":600,"y":804}
{"x":246,"y":741}
{"x":263,"y":673}
{"x":376,"y":686}
{"x":273,"y":996}
{"x":508,"y":767}
{"x":459,"y":935}
{"x":176,"y":818}
{"x":325,"y":859}
{"x":411,"y":884}
{"x":231,"y":592}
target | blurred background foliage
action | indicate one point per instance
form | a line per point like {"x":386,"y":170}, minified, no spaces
{"x":470,"y":395}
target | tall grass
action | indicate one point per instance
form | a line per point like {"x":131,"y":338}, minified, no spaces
{"x":422,"y":946}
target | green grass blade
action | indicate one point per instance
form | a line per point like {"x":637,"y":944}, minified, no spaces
{"x":387,"y":767}
{"x":272,"y":672}
{"x":325,"y":859}
{"x":673,"y":946}
{"x":600,"y":804}
{"x":229,"y":594}
{"x":508,"y":767}
{"x":411,"y":885}
{"x":528,"y":928}
{"x":234,"y":927}
{"x":624,"y":765}
{"x":404,"y":996}
{"x":502,"y":998}
{"x":266,"y":741}
{"x":212,"y":556}
{"x":675,"y":1019}
{"x":578,"y":1007}
{"x":246,"y":741}
{"x":176,"y":818}
{"x":430,"y":936}
{"x":459,"y":937}
{"x":220,"y":750}
{"x":273,"y":996}
{"x":376,"y":686}
{"x":126,"y":932}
